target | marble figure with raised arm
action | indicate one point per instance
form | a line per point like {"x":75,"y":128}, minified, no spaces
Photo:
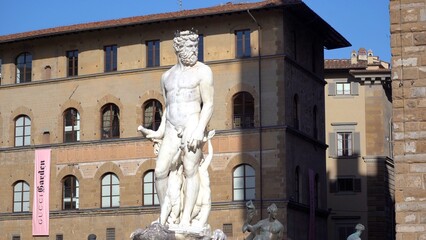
{"x":188,"y":93}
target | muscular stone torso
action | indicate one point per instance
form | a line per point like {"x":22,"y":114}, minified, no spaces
{"x":183,"y":95}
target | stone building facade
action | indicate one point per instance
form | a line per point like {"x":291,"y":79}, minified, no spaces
{"x":408,"y":42}
{"x":82,"y":91}
{"x":360,"y":167}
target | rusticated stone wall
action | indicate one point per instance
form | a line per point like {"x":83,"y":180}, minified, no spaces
{"x":408,"y":31}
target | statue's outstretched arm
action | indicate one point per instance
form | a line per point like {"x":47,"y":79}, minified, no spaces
{"x":154,"y":135}
{"x":159,"y":134}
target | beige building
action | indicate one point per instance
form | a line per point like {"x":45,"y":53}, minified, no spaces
{"x":82,"y":91}
{"x":359,"y":157}
{"x":408,"y":42}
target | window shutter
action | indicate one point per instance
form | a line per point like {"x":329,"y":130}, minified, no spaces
{"x":331,"y":89}
{"x":357,"y":184}
{"x":357,"y":144}
{"x":332,"y":145}
{"x":333,"y":185}
{"x":354,"y":88}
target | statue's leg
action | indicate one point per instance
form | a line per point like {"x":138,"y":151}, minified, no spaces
{"x":168,"y":149}
{"x":205,"y":208}
{"x":190,"y":163}
{"x":165,"y":210}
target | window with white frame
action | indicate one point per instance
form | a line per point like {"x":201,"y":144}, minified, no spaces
{"x":149,"y":191}
{"x":22,"y":131}
{"x":70,"y":193}
{"x":344,"y":141}
{"x":21,"y":197}
{"x":71,"y":125}
{"x":343,"y":88}
{"x":244,"y":183}
{"x":344,"y":144}
{"x":110,"y":191}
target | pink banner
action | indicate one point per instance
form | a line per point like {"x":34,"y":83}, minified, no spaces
{"x":312,"y":204}
{"x":41,"y":193}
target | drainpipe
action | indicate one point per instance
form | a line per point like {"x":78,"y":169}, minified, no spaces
{"x":259,"y":61}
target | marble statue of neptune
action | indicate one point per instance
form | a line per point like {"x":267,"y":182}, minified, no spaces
{"x":188,"y":93}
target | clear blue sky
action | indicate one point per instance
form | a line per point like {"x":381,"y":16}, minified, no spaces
{"x":365,"y":23}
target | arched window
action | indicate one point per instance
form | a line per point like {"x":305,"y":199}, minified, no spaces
{"x":70,"y":193}
{"x":244,"y":183}
{"x":21,"y":197}
{"x":110,"y":121}
{"x":22,"y":131}
{"x":152,"y":112}
{"x":149,"y":191}
{"x":243,"y":109}
{"x":297,"y":185}
{"x":110,"y":191}
{"x":296,"y":111}
{"x":315,"y":122}
{"x":71,"y":125}
{"x":23,"y":67}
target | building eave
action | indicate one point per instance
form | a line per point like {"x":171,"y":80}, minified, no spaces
{"x":371,"y":75}
{"x":332,"y":39}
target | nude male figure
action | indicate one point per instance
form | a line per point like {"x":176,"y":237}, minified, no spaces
{"x":188,"y":91}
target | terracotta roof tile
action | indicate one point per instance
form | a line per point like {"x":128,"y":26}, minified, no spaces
{"x":219,"y":9}
{"x":343,"y":64}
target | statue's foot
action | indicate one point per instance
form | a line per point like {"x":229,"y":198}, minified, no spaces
{"x":156,"y":221}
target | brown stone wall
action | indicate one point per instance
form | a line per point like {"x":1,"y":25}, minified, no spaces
{"x":130,"y":156}
{"x":408,"y":21}
{"x":378,"y":120}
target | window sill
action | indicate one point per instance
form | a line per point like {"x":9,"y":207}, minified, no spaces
{"x":344,"y":96}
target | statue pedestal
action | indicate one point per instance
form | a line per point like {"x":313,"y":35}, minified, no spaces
{"x":174,"y":232}
{"x":191,"y":232}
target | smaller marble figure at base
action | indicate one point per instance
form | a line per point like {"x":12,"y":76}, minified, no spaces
{"x":356,"y":235}
{"x":267,"y":229}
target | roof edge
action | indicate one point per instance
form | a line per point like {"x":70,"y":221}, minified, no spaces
{"x":145,"y":19}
